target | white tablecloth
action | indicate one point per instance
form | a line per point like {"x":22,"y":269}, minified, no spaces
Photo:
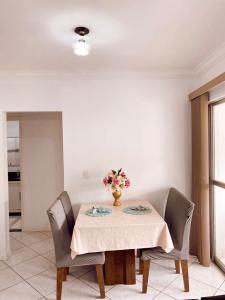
{"x":119,"y":231}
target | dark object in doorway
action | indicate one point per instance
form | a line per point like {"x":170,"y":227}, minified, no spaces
{"x":15,"y":213}
{"x":15,"y":230}
{"x":13,"y":176}
{"x":220,"y":297}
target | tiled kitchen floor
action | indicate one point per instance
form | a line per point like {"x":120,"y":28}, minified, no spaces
{"x":30,"y":274}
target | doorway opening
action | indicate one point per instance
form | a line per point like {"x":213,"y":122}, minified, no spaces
{"x":35,"y":167}
{"x":217,"y":180}
{"x":14,"y":186}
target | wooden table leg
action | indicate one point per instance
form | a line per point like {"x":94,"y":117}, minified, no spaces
{"x":120,"y":267}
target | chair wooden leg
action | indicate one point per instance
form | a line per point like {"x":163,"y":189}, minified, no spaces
{"x":101,"y":283}
{"x":177,"y":266}
{"x":184,"y":266}
{"x":64,"y":274}
{"x":146,"y":267}
{"x":60,"y":274}
{"x":67,"y":270}
{"x":138,"y":253}
{"x":140,"y":266}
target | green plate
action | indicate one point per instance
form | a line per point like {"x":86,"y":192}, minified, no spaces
{"x":100,"y":212}
{"x":137,"y":210}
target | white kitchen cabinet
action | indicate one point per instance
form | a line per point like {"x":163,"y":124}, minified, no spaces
{"x":14,"y":196}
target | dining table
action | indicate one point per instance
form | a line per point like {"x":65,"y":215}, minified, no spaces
{"x":118,"y":234}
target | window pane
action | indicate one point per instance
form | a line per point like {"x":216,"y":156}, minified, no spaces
{"x":219,"y":141}
{"x":219,"y":219}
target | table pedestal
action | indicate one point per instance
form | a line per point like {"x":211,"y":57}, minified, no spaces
{"x":120,"y":267}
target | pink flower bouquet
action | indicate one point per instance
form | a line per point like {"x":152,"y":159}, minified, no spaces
{"x":116,"y":180}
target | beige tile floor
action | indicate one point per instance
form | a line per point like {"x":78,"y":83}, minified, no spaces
{"x":30,"y":274}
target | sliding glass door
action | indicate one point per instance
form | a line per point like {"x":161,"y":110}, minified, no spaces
{"x":218,"y":180}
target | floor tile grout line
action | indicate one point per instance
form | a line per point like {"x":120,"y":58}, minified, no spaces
{"x":11,"y":267}
{"x":44,"y":232}
{"x":28,"y":246}
{"x":219,"y":288}
{"x":203,"y":282}
{"x":178,"y":275}
{"x":156,"y":294}
{"x":37,"y":254}
{"x":71,"y":282}
{"x":31,"y":243}
{"x":190,"y":286}
{"x":82,"y":274}
{"x":37,"y":274}
{"x":161,"y":290}
{"x":4,"y":289}
{"x":170,"y":268}
{"x":221,"y":284}
{"x":21,"y":261}
{"x":168,"y":295}
{"x":53,"y":262}
{"x":42,"y":254}
{"x":83,"y":280}
{"x":28,"y":283}
{"x":35,"y":289}
{"x":215,"y":292}
{"x":23,"y":280}
{"x":55,"y":280}
{"x":53,"y":265}
{"x":49,"y":238}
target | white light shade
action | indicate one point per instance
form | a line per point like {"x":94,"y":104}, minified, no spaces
{"x":81,"y":47}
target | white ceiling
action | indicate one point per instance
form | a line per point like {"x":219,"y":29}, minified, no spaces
{"x":126,"y":35}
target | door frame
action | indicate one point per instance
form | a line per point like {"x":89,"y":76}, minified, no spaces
{"x":4,"y":214}
{"x":4,"y":198}
{"x":213,"y":182}
{"x":17,"y":117}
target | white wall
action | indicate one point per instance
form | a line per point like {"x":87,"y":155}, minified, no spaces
{"x":140,"y":124}
{"x":41,"y":167}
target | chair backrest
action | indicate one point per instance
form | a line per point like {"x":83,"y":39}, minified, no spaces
{"x":65,"y":200}
{"x":178,"y":216}
{"x":60,"y":230}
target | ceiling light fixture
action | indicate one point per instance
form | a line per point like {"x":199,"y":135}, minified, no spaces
{"x":81,"y":46}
